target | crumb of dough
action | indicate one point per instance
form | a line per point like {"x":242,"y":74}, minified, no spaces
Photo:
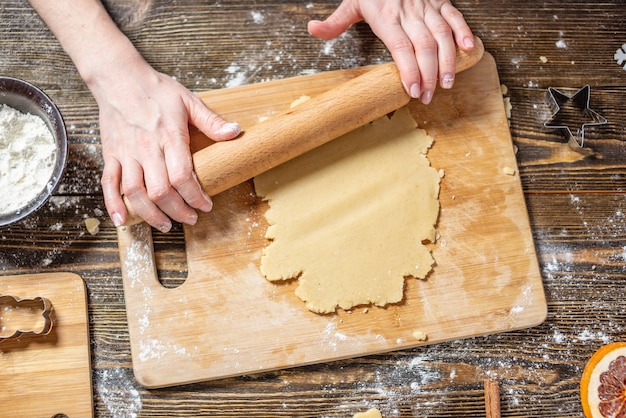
{"x":504,"y":89}
{"x":263,"y":118}
{"x":543,"y":59}
{"x":420,"y":335}
{"x":93,"y":225}
{"x":370,"y":413}
{"x":350,"y":218}
{"x":299,"y":101}
{"x":507,"y":107}
{"x":509,"y":171}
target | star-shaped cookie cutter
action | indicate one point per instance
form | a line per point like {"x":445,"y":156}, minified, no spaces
{"x":572,"y":112}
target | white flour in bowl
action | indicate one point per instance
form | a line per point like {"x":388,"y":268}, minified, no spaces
{"x":27,"y":156}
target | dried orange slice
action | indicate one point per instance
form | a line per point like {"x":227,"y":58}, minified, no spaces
{"x":603,"y":384}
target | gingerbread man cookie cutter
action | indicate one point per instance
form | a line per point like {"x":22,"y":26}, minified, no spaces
{"x":10,"y":305}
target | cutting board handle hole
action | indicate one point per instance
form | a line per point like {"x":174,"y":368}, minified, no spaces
{"x":167,"y":250}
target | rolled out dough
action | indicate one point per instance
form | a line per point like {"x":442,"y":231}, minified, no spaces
{"x":349,"y":218}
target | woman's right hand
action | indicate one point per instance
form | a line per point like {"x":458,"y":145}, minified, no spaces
{"x":420,"y":34}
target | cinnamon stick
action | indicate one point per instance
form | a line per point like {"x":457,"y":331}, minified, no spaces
{"x":492,"y":399}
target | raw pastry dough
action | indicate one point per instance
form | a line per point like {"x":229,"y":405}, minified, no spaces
{"x":348,"y":219}
{"x":370,"y":413}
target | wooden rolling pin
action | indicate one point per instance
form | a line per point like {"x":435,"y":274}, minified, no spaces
{"x":315,"y":122}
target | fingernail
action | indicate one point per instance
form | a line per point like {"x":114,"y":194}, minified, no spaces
{"x":117,"y":219}
{"x":426,"y":97}
{"x":192,"y":219}
{"x":207,"y":207}
{"x":468,"y":42}
{"x":415,"y":91}
{"x":447,"y":81}
{"x":229,"y":129}
{"x":164,"y":227}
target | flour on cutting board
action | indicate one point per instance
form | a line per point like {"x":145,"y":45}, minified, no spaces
{"x":139,"y":268}
{"x":152,"y":348}
{"x":331,"y":336}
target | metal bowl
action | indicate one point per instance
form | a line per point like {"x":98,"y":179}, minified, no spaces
{"x":27,"y":98}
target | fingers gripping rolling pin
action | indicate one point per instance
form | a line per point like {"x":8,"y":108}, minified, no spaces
{"x":315,"y":122}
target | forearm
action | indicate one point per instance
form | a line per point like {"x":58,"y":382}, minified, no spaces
{"x":89,"y":36}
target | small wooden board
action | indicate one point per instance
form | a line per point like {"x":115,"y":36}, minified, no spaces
{"x":227,"y":320}
{"x":48,"y":375}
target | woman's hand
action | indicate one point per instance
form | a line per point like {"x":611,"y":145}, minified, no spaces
{"x":420,"y":34}
{"x":144,"y":117}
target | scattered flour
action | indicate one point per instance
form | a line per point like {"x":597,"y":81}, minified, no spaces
{"x":116,"y":389}
{"x":258,"y":17}
{"x":267,"y":62}
{"x":561,"y":44}
{"x":27,"y":157}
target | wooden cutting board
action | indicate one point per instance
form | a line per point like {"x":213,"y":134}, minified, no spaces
{"x":47,"y":375}
{"x":227,"y":320}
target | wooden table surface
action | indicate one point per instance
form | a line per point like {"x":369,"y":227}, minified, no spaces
{"x":576,"y":203}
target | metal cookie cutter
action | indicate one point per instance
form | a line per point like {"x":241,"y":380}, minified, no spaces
{"x":9,"y":305}
{"x":572,"y":113}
